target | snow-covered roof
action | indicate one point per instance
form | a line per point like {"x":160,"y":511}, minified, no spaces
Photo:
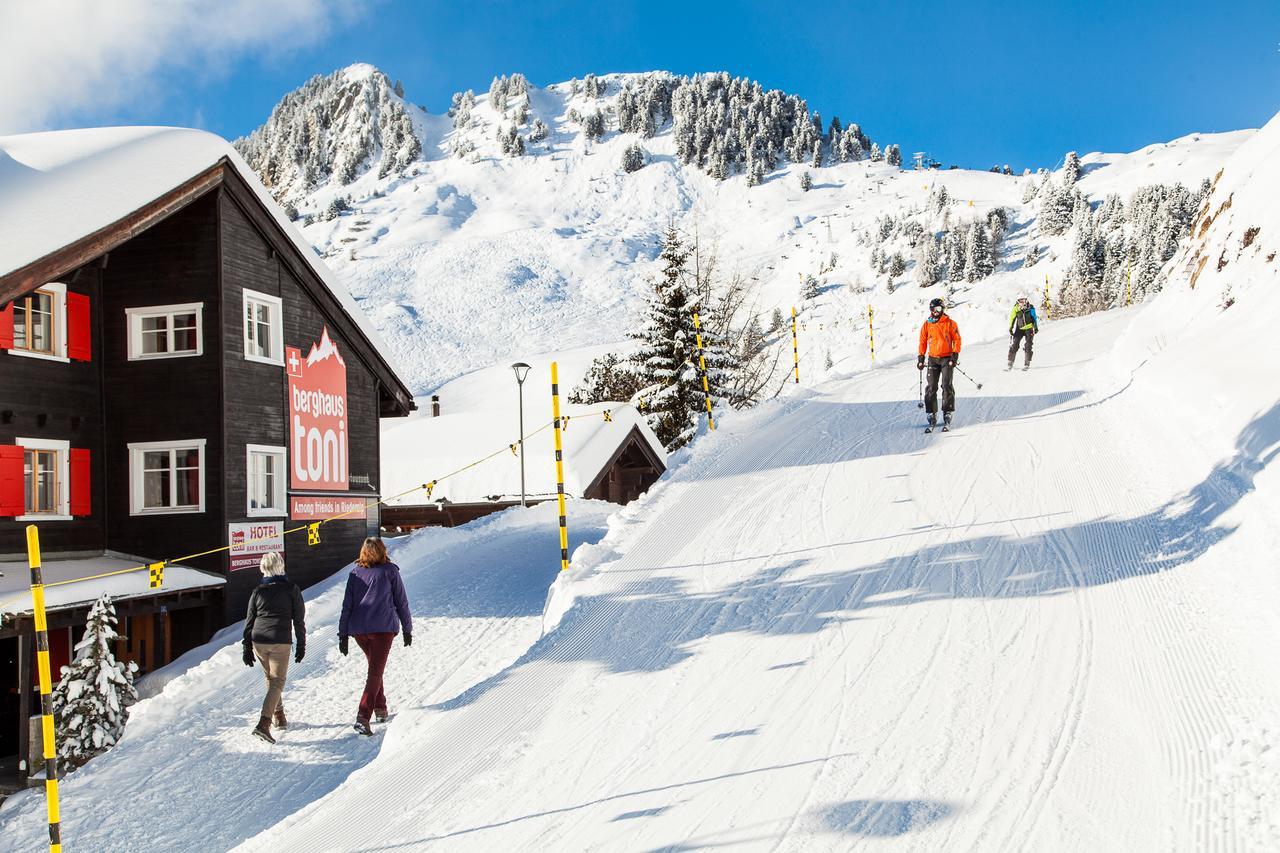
{"x":15,"y":584}
{"x":424,"y":448}
{"x":60,"y":186}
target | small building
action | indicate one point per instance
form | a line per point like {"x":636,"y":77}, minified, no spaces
{"x":615,"y":460}
{"x":179,"y":372}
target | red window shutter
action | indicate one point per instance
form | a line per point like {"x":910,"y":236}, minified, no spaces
{"x":11,"y":503}
{"x":81,"y":502}
{"x":6,"y":327}
{"x":79,"y":344}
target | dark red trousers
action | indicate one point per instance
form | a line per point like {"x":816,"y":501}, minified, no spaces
{"x":376,"y":648}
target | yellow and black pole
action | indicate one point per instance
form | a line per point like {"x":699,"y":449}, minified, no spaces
{"x":1128,"y":290}
{"x":555,"y":412}
{"x":702,"y":366}
{"x":795,"y":343}
{"x":1048,"y":309}
{"x":46,"y":690}
{"x":871,"y":331}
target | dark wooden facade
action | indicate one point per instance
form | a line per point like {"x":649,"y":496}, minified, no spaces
{"x":203,"y":242}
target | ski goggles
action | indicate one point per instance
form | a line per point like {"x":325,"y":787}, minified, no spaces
{"x":937,"y":309}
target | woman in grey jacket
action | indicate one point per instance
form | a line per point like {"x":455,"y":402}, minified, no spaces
{"x":275,"y":617}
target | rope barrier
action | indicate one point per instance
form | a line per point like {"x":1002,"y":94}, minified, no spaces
{"x":156,"y":570}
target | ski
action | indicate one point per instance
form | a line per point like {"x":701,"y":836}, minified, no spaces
{"x":928,"y":429}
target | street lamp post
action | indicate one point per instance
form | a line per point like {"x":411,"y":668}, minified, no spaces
{"x":521,"y":370}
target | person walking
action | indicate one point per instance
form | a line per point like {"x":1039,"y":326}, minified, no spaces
{"x":1022,"y":324}
{"x":374,"y":608}
{"x":276,"y":616}
{"x":940,"y":345}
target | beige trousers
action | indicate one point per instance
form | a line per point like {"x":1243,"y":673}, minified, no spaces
{"x":274,"y":658}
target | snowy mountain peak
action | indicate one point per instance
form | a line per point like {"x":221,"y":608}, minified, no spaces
{"x":324,"y":349}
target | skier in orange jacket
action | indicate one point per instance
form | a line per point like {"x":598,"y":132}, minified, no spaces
{"x":940,"y":344}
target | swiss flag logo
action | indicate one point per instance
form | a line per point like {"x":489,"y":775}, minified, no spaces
{"x":293,"y":361}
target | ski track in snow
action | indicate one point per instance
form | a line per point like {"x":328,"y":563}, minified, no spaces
{"x":822,"y":630}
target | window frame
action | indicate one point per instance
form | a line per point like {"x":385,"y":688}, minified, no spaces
{"x":135,"y":316}
{"x":280,"y":496}
{"x":137,"y":480}
{"x":58,"y":291}
{"x":62,"y":476}
{"x":276,"y":304}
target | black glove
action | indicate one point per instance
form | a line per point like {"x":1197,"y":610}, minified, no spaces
{"x":408,"y":639}
{"x":247,"y":656}
{"x":299,"y":653}
{"x":954,"y":360}
{"x":342,"y":645}
{"x":920,"y":362}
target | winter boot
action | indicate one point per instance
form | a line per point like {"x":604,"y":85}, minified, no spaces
{"x":946,"y":421}
{"x":263,"y":730}
{"x":362,"y":727}
{"x":933,"y":421}
{"x":380,"y":716}
{"x":280,"y":721}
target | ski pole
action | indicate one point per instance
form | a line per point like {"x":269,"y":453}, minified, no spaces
{"x":970,"y":378}
{"x":920,"y":402}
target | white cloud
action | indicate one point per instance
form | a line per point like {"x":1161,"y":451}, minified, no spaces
{"x":60,"y":58}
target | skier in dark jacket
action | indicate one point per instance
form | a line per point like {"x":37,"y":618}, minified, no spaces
{"x":940,"y":345}
{"x":374,"y":608}
{"x":275,"y":617}
{"x":1022,"y":324}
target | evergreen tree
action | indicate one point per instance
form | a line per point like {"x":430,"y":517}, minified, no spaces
{"x":978,"y":263}
{"x":816,"y":161}
{"x":928,"y":255}
{"x":1056,"y":205}
{"x":806,"y":182}
{"x":1032,"y":257}
{"x":897,"y":265}
{"x":609,"y":379}
{"x":810,"y":289}
{"x":876,"y":156}
{"x":632,"y":158}
{"x":893,"y":155}
{"x":1070,"y":168}
{"x":665,"y":361}
{"x":91,"y":702}
{"x":776,"y":321}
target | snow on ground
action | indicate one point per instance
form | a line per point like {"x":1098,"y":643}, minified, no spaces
{"x":463,"y":262}
{"x":1049,"y":629}
{"x":188,"y":776}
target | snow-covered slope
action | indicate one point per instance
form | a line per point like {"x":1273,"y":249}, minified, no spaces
{"x":466,"y":261}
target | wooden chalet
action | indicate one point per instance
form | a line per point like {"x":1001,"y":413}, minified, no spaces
{"x":178,"y":372}
{"x":613,"y":460}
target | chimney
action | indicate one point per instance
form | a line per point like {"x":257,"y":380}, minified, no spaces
{"x":435,"y":405}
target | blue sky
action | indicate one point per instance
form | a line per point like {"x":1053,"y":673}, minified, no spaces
{"x":973,"y":83}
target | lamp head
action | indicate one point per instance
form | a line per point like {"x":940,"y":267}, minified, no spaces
{"x":521,"y":370}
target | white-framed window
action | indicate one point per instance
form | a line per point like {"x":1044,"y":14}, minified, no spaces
{"x":166,"y":476}
{"x":263,"y":328}
{"x":46,"y":480}
{"x":166,"y":331}
{"x":265,"y":477}
{"x":40,"y":323}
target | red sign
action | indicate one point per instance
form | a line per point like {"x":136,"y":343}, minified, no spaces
{"x":317,"y":416}
{"x":312,"y":508}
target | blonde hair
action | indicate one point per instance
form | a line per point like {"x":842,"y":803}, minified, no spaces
{"x":272,"y":564}
{"x":372,"y":553}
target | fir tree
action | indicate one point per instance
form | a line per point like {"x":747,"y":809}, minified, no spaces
{"x":1070,"y":168}
{"x":776,"y":321}
{"x":1032,"y":257}
{"x":632,"y":158}
{"x":1056,"y":204}
{"x":978,"y":263}
{"x":897,"y":265}
{"x":806,"y":182}
{"x":666,"y":360}
{"x":810,"y":289}
{"x":893,"y":155}
{"x":928,"y":255}
{"x":876,"y":156}
{"x":91,"y":702}
{"x":816,"y":161}
{"x":609,"y":379}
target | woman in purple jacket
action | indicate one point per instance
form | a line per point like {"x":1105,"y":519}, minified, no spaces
{"x":374,"y":609}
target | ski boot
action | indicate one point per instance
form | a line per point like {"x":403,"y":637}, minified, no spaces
{"x":933,"y":421}
{"x":946,"y":421}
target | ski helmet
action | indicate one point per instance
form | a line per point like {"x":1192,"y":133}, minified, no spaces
{"x":937,"y":303}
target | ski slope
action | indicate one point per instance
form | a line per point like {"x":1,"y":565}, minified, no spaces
{"x":822,"y":630}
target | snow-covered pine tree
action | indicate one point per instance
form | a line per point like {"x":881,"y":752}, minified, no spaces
{"x":632,"y":158}
{"x":665,"y":361}
{"x":897,"y":265}
{"x":91,"y":702}
{"x":893,"y":155}
{"x":1056,"y":204}
{"x":539,"y":131}
{"x":806,"y":182}
{"x":1032,"y":257}
{"x":978,"y":263}
{"x":816,"y":160}
{"x":610,"y":378}
{"x":876,"y":156}
{"x":776,"y":321}
{"x":956,"y":245}
{"x":928,"y":256}
{"x":1070,"y":168}
{"x":809,"y":289}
